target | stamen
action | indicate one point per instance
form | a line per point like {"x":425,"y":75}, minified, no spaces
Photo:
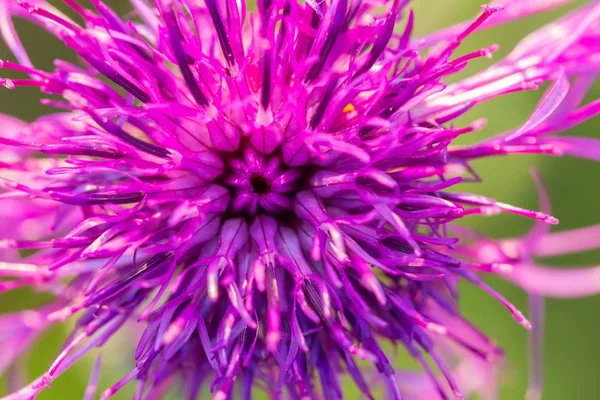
{"x":215,"y":15}
{"x":176,"y":40}
{"x":337,"y":26}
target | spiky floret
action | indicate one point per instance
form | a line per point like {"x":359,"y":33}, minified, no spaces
{"x":269,"y":191}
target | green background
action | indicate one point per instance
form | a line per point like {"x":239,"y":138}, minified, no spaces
{"x":572,"y":353}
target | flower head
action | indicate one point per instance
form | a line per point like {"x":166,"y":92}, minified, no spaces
{"x":270,"y":193}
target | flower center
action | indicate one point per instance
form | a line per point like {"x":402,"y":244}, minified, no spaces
{"x":260,"y":185}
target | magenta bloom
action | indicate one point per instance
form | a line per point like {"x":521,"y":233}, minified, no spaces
{"x":269,"y":193}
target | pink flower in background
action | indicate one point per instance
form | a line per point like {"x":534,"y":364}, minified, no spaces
{"x":270,"y":193}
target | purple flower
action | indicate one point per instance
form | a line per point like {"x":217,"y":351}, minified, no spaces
{"x":270,"y":193}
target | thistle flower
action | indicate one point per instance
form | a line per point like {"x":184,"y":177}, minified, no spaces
{"x":270,"y":193}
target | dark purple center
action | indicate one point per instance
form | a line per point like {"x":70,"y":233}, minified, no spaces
{"x":260,"y":185}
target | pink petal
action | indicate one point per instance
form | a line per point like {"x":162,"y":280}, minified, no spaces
{"x":555,"y":282}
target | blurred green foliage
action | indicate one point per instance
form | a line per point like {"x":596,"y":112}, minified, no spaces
{"x":572,"y":353}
